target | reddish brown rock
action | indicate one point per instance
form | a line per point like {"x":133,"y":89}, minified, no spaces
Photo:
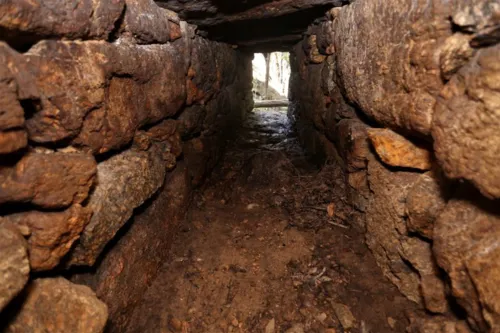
{"x":385,"y":86}
{"x":71,"y":77}
{"x":395,"y":150}
{"x":132,"y":264}
{"x":126,"y":181}
{"x":16,"y":84}
{"x":52,"y":180}
{"x":99,"y":94}
{"x":426,"y":199}
{"x":150,"y":85}
{"x":55,"y":305}
{"x":14,"y":264}
{"x":466,"y":246}
{"x":39,"y":19}
{"x":51,"y":234}
{"x":147,"y":23}
{"x":12,"y":140}
{"x":466,"y":128}
{"x":385,"y":225}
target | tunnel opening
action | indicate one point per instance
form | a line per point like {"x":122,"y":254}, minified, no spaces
{"x":259,"y":166}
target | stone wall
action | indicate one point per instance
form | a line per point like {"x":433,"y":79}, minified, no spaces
{"x":111,"y":112}
{"x":406,"y":95}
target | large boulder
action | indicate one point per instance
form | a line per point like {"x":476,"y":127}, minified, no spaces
{"x":397,"y":74}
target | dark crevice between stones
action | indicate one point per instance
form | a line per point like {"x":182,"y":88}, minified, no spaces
{"x":20,"y":41}
{"x":115,"y":33}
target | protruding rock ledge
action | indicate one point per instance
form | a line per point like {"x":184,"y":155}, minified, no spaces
{"x":396,"y":150}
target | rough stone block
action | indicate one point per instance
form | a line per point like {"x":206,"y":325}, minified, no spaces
{"x":98,"y":94}
{"x":71,"y":78}
{"x":312,"y":51}
{"x":56,"y":305}
{"x":51,"y":234}
{"x":201,"y":155}
{"x":14,"y":264}
{"x":48,"y":180}
{"x":166,"y":132}
{"x":125,"y":181}
{"x":16,"y":84}
{"x":38,"y":19}
{"x":147,"y":23}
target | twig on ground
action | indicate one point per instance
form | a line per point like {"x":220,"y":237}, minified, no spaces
{"x":338,"y":224}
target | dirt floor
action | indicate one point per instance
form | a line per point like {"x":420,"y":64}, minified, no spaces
{"x":268,"y":247}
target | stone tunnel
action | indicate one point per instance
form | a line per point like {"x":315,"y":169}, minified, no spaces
{"x":141,"y":192}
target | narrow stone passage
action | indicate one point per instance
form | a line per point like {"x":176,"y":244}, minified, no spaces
{"x":140,"y":191}
{"x":252,"y":257}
